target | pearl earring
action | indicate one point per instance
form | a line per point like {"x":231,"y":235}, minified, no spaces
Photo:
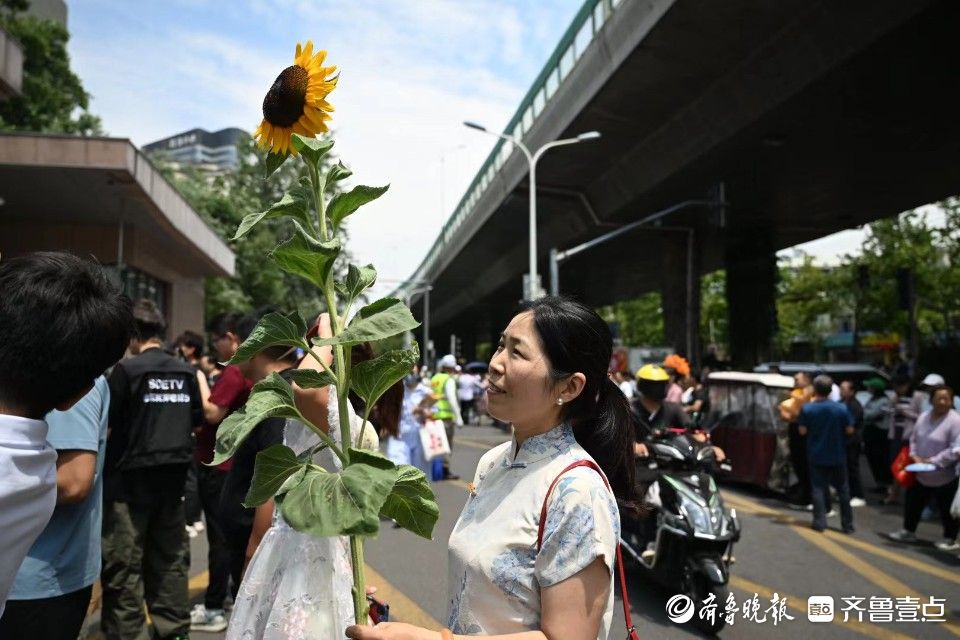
{"x":559,"y":400}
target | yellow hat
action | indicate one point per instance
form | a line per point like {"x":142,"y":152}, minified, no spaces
{"x":652,"y":373}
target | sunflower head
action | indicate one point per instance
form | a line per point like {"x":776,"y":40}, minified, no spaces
{"x":297,"y":101}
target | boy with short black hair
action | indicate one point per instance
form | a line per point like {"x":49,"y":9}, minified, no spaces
{"x":62,"y":323}
{"x":154,"y":406}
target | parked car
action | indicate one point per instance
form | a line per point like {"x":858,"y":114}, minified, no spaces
{"x":744,"y":421}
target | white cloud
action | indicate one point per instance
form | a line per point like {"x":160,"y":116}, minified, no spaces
{"x":411,"y":72}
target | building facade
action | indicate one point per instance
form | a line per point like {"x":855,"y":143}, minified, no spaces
{"x":216,"y":150}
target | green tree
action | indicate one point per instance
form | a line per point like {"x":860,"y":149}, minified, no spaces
{"x":222,"y":201}
{"x":808,"y":294}
{"x":713,"y":310}
{"x":640,"y":320}
{"x":53,"y":98}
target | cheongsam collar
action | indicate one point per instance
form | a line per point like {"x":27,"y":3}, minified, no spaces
{"x":545,"y":445}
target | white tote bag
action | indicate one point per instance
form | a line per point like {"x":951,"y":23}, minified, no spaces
{"x":955,"y":507}
{"x":433,"y":437}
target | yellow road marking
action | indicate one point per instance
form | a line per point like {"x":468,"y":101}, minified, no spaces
{"x":793,"y":602}
{"x":918,"y":565}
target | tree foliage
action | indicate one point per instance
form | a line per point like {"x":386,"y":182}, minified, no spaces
{"x":640,"y":320}
{"x":53,"y":98}
{"x":223,"y":200}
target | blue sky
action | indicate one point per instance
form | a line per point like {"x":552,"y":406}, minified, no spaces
{"x":411,"y":72}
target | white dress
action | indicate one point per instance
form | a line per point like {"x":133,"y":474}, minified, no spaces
{"x":495,"y":571}
{"x":297,"y":586}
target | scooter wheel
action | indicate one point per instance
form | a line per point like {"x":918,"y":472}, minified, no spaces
{"x":698,"y":588}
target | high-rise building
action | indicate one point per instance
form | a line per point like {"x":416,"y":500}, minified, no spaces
{"x":217,"y":150}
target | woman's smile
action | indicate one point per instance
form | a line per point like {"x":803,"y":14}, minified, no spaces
{"x":493,"y":389}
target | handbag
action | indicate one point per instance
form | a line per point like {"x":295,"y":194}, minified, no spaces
{"x":955,"y":506}
{"x":433,"y":437}
{"x":904,"y":478}
{"x":631,"y":629}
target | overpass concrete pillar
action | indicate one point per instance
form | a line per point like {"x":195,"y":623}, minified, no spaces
{"x":751,"y":265}
{"x":680,"y":292}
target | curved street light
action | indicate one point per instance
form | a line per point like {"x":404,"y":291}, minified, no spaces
{"x":534,"y":290}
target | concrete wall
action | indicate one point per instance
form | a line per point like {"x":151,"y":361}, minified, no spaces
{"x":11,"y":66}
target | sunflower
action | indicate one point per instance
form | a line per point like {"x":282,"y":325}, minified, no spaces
{"x":297,"y":101}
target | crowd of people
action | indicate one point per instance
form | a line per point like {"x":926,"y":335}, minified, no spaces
{"x":108,"y":431}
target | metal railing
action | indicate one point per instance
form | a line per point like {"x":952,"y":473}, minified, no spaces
{"x":578,"y":36}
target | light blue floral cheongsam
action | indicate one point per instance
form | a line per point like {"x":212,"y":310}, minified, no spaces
{"x":495,"y":572}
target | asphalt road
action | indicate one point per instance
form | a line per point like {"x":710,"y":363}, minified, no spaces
{"x":778,"y":554}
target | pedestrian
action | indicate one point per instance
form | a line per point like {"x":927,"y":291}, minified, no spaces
{"x":154,"y":407}
{"x":826,"y":425}
{"x":235,"y":521}
{"x":52,"y":589}
{"x":211,"y":368}
{"x":189,"y":346}
{"x":935,"y":439}
{"x":848,"y":397}
{"x":699,"y":405}
{"x":625,"y":381}
{"x":467,"y":390}
{"x":404,"y":446}
{"x":790,"y":409}
{"x":548,"y":377}
{"x":921,"y":397}
{"x":447,"y":406}
{"x":298,"y":585}
{"x":62,"y":323}
{"x":877,"y":421}
{"x":904,"y":416}
{"x":229,"y":394}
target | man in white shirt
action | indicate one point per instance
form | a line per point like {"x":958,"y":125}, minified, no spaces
{"x":61,"y":325}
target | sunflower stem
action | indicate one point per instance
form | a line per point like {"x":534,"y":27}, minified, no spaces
{"x":319,"y":188}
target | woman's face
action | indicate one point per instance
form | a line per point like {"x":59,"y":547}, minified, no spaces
{"x":942,"y":401}
{"x":519,"y":387}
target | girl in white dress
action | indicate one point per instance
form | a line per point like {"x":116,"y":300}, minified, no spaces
{"x":548,"y":378}
{"x":297,"y":586}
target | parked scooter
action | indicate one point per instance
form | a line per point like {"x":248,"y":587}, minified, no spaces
{"x":692,"y":547}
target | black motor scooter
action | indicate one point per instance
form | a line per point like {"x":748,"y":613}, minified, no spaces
{"x":694,"y":533}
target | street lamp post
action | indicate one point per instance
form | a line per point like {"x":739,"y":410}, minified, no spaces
{"x":533,"y":290}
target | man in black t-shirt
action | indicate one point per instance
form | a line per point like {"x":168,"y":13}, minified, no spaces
{"x":154,"y":407}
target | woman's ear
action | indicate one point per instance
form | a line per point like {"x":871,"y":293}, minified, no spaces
{"x":572,"y":387}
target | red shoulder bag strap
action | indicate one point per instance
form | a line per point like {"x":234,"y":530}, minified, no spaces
{"x":631,"y":630}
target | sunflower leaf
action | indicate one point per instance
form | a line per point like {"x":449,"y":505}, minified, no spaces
{"x":346,"y":503}
{"x":273,"y":466}
{"x":294,"y":204}
{"x":338,"y":172}
{"x":273,"y":162}
{"x":310,"y":378}
{"x":371,"y":378}
{"x":271,"y":397}
{"x":344,"y":204}
{"x":311,"y":148}
{"x":382,"y":319}
{"x":411,"y":503}
{"x":307,"y":257}
{"x":273,"y":329}
{"x":357,"y":281}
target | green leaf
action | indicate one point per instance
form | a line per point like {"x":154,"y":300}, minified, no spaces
{"x":310,"y":379}
{"x":343,"y":204}
{"x":412,"y":503}
{"x":338,"y":172}
{"x":358,"y":280}
{"x":311,"y":148}
{"x":294,"y":204}
{"x":271,"y":470}
{"x":381,"y":319}
{"x":273,"y":329}
{"x":345,"y":503}
{"x":307,"y":257}
{"x":271,"y":397}
{"x":371,"y":378}
{"x":273,"y":162}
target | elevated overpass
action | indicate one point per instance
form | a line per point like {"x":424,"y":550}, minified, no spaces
{"x":799,"y":118}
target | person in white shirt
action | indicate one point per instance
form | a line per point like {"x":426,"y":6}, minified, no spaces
{"x":62,"y":323}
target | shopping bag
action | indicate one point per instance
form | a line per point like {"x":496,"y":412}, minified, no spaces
{"x":955,"y":507}
{"x":903,"y":477}
{"x":433,"y":437}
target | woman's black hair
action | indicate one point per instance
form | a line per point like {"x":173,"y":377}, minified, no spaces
{"x":575,"y":339}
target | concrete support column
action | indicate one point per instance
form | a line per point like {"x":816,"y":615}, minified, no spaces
{"x":751,"y":265}
{"x":680,"y":292}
